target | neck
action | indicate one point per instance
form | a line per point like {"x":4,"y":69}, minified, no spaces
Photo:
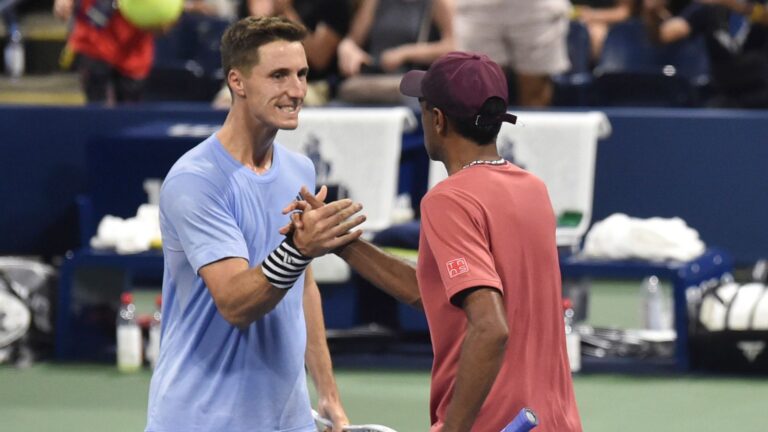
{"x":247,"y":141}
{"x":468,"y":152}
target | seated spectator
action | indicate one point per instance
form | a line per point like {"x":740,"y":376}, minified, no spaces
{"x":736,"y":34}
{"x":114,"y":56}
{"x":387,"y":38}
{"x":327,"y":21}
{"x":384,"y":35}
{"x":598,"y":16}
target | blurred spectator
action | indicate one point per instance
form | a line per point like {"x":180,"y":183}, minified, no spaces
{"x":385,"y":39}
{"x":392,"y":35}
{"x":327,"y":21}
{"x":599,"y":15}
{"x":113,"y":55}
{"x":736,"y":34}
{"x":226,"y":9}
{"x":526,"y":37}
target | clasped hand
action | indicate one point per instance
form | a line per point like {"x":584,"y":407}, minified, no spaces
{"x":319,"y":228}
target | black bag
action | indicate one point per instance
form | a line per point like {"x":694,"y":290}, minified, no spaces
{"x":729,"y":332}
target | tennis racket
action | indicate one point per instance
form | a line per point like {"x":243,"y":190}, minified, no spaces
{"x":323,"y":423}
{"x":524,"y":421}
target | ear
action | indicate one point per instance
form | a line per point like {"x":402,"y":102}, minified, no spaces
{"x":439,"y":121}
{"x":236,"y":82}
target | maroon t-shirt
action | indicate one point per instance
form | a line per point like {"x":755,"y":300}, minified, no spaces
{"x":493,"y":226}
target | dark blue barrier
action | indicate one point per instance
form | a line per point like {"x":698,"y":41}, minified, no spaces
{"x":42,"y":167}
{"x":707,"y":166}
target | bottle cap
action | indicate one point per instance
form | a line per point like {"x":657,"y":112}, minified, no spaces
{"x":126,"y":298}
{"x":567,"y":304}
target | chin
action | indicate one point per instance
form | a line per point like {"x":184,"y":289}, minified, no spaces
{"x":289,"y":125}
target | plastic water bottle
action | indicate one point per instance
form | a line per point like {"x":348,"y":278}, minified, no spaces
{"x":128,"y":336}
{"x":153,"y":347}
{"x":14,"y":53}
{"x":572,"y":337}
{"x":655,"y":314}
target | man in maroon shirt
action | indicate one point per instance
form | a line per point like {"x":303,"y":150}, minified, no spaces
{"x":487,"y":273}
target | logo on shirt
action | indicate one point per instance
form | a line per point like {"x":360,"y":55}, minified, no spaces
{"x":456,"y":267}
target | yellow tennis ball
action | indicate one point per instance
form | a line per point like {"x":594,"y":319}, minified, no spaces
{"x":151,"y":13}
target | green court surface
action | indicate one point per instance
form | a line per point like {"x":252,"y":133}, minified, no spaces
{"x":63,"y":398}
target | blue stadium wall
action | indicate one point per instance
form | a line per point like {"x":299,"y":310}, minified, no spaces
{"x":709,"y":167}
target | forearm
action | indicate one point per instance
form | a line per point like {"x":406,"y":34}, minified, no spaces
{"x":425,"y":52}
{"x":392,"y":275}
{"x":321,"y":47}
{"x":317,"y":357}
{"x":606,"y":15}
{"x":482,"y":353}
{"x":248,"y":297}
{"x":362,"y":21}
{"x":260,"y":7}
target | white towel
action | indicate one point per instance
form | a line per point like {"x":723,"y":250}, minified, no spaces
{"x":357,"y":148}
{"x":621,"y":237}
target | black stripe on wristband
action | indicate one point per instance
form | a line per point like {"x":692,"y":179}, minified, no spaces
{"x":284,"y":265}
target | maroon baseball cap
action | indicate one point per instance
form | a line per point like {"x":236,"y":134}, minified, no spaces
{"x":459,"y":83}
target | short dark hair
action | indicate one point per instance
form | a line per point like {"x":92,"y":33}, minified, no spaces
{"x":241,"y":41}
{"x":468,"y":127}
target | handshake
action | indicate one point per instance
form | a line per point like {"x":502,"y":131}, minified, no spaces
{"x":318,"y":228}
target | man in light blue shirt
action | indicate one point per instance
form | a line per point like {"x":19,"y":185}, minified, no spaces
{"x":241,"y":310}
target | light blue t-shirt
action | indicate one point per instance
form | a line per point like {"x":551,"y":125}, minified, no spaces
{"x":212,"y":376}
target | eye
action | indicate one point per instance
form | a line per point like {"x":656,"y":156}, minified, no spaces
{"x":278,"y":75}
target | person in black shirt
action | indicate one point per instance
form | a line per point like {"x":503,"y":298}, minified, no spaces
{"x":736,"y":34}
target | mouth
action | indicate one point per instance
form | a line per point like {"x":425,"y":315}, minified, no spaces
{"x":290,"y":108}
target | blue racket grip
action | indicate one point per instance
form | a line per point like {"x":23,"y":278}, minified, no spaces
{"x":524,"y":421}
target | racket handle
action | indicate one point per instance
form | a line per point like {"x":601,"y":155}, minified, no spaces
{"x":524,"y":421}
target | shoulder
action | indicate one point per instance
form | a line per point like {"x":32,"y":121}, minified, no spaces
{"x":197,"y":169}
{"x":446,"y":196}
{"x":294,"y":161}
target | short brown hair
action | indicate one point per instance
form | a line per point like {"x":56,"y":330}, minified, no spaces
{"x":241,"y":41}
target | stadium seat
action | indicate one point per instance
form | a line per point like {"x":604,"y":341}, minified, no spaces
{"x":635,"y":71}
{"x":572,"y":87}
{"x":187,"y":61}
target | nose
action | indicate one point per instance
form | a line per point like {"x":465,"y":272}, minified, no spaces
{"x":297,"y":87}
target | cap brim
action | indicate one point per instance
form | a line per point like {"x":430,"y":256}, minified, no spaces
{"x":410,"y":85}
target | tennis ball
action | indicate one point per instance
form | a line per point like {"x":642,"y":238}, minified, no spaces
{"x":150,"y":13}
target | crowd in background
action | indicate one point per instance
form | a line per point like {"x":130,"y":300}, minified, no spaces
{"x":357,"y":49}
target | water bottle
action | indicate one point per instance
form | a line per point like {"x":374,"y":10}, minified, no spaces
{"x":655,"y":312}
{"x":14,"y":53}
{"x":572,"y":337}
{"x":153,"y":347}
{"x":129,"y":339}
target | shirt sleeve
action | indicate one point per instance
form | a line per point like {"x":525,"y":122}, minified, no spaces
{"x":456,"y":229}
{"x":201,"y":219}
{"x":336,"y":15}
{"x":702,"y":18}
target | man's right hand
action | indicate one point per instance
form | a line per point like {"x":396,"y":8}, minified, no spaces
{"x":322,"y":227}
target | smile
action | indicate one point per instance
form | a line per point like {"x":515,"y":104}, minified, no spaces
{"x":292,"y":108}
